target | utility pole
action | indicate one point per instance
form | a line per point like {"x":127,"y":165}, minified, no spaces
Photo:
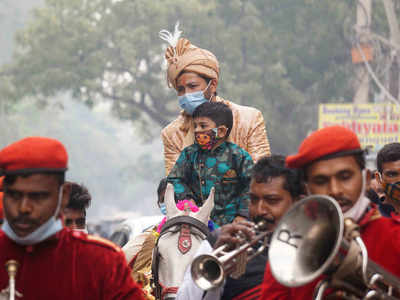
{"x":394,"y":85}
{"x":362,"y":26}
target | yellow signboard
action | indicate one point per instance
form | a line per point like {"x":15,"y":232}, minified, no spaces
{"x":374,"y":124}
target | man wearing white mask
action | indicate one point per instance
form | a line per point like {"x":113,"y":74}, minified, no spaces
{"x":53,"y":262}
{"x":333,"y":164}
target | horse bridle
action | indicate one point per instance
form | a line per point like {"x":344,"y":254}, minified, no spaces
{"x":180,"y":220}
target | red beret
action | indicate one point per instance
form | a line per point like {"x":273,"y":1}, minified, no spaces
{"x":324,"y":143}
{"x":33,"y":155}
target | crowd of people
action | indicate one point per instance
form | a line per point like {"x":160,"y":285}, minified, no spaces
{"x":215,"y":150}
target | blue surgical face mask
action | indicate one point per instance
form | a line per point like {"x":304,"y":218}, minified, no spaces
{"x":44,"y":231}
{"x":163,"y":209}
{"x":190,"y":101}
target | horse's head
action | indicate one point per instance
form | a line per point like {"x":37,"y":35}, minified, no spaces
{"x":179,"y":239}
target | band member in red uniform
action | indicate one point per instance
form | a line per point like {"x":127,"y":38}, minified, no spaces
{"x":53,"y":262}
{"x":334,"y":164}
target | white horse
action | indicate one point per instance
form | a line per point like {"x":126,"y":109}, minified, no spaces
{"x":179,"y":239}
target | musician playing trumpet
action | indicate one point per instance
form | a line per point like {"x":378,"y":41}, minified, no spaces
{"x":333,"y":164}
{"x":273,"y":189}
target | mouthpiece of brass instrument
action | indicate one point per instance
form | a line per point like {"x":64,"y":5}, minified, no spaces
{"x":12,"y":267}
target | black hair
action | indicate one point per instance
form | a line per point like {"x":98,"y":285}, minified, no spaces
{"x":273,"y":166}
{"x":218,"y":112}
{"x":390,"y":152}
{"x":79,"y":198}
{"x":361,"y":160}
{"x":11,"y":178}
{"x":161,"y":191}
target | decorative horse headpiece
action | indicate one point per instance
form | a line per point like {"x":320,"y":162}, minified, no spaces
{"x":179,"y":239}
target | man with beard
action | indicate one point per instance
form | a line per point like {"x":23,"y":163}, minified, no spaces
{"x":333,"y":164}
{"x":54,"y":262}
{"x":273,"y":189}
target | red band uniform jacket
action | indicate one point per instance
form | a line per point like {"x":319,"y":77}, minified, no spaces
{"x":69,"y":265}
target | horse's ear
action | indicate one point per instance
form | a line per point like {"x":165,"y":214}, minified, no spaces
{"x":204,"y":212}
{"x":169,"y":200}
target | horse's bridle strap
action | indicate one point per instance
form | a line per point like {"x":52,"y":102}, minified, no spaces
{"x":156,"y":257}
{"x":186,"y":220}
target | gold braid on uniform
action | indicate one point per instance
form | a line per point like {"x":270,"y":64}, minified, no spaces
{"x":141,"y":269}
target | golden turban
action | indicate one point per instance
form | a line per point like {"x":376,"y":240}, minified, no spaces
{"x":187,"y":57}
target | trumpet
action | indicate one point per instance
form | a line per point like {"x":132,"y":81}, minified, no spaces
{"x":12,"y":267}
{"x":313,"y":238}
{"x":209,"y":270}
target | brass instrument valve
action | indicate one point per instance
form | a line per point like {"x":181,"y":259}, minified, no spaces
{"x":351,"y":229}
{"x":12,"y":267}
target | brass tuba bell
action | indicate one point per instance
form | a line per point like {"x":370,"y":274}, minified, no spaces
{"x":313,"y":238}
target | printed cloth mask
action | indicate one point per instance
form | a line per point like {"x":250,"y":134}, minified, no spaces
{"x":207,"y":139}
{"x":44,"y":231}
{"x":392,"y":190}
{"x":190,"y":101}
{"x":163,"y":209}
{"x":386,"y":210}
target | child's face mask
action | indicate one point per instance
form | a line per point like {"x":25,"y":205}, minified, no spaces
{"x":207,"y":139}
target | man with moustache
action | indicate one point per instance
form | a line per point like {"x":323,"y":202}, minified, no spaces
{"x":273,"y":189}
{"x":333,"y":164}
{"x":53,"y":262}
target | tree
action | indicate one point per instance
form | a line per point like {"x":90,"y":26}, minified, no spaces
{"x":283,"y":57}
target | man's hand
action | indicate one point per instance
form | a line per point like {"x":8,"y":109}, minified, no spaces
{"x":233,"y":234}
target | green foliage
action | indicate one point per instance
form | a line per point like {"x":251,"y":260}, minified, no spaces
{"x":283,"y":57}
